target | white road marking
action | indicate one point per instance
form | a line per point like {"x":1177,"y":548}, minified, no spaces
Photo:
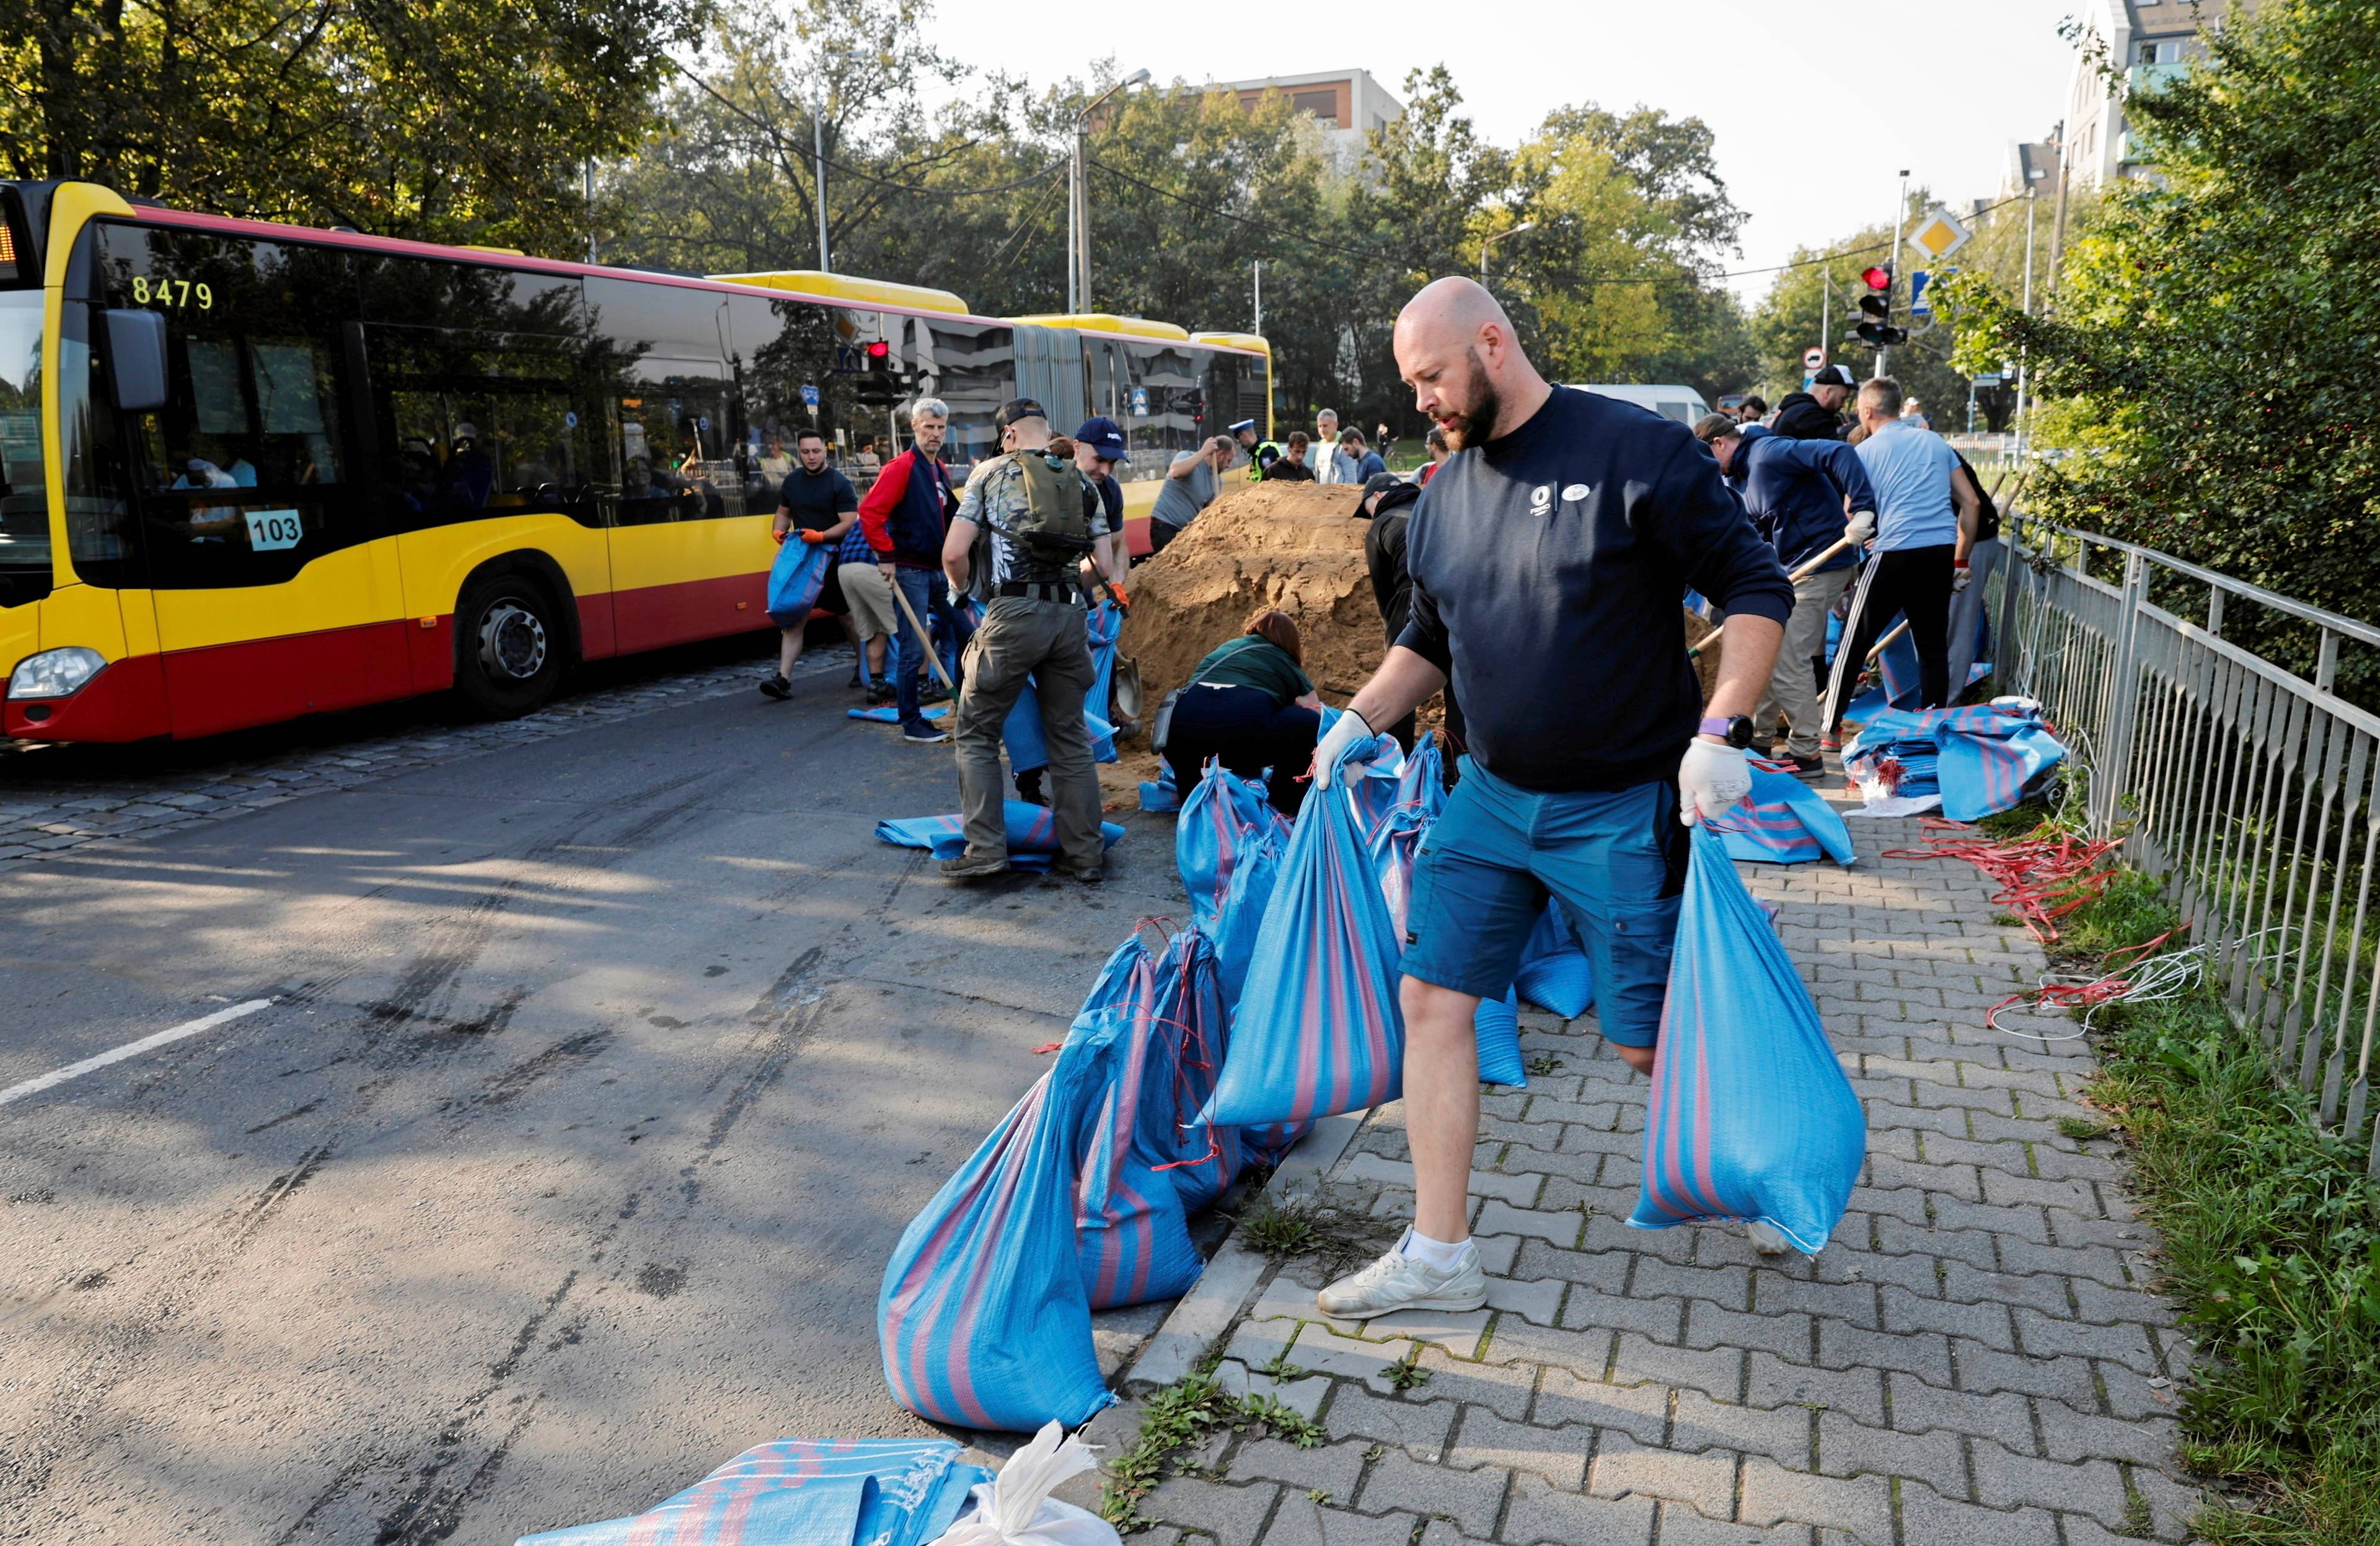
{"x":131,"y":1049}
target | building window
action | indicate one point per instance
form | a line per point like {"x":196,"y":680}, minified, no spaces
{"x":2166,"y":51}
{"x":1323,"y":105}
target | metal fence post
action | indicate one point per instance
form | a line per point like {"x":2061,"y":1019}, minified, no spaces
{"x":2110,"y":780}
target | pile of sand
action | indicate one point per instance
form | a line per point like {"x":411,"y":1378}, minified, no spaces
{"x":1295,"y":546}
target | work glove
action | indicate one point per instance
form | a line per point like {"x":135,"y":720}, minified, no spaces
{"x":1123,"y":602}
{"x":1863,"y":525}
{"x":1345,"y":732}
{"x":778,"y":538}
{"x":1960,"y":575}
{"x":1710,"y":780}
{"x":813,"y":537}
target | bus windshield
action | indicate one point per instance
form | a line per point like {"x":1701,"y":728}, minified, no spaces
{"x":24,"y":488}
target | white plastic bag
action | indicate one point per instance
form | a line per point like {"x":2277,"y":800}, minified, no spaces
{"x":1015,"y":1509}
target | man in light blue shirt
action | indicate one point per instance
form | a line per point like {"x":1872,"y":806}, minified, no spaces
{"x":1925,"y":515}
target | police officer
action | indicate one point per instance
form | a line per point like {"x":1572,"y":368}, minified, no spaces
{"x":1033,"y":626}
{"x":1262,"y":453}
{"x":1546,"y":558}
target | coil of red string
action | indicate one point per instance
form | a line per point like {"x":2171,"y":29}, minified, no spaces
{"x":2044,"y":876}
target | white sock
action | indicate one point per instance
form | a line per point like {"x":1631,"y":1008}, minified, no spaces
{"x":1437,"y":1255}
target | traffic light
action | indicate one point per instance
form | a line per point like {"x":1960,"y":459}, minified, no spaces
{"x":1877,"y":304}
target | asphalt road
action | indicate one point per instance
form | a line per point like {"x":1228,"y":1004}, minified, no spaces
{"x":601,"y":1074}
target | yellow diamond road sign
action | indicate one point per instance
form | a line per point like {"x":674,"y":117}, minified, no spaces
{"x":1938,"y":234}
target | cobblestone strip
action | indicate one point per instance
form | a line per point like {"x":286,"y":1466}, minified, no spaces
{"x":40,"y":817}
{"x":1976,"y":1357}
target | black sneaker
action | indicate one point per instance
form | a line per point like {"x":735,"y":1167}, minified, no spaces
{"x":922,"y":732}
{"x":881,"y":694}
{"x":931,"y":693}
{"x":777,"y":686}
{"x":1028,"y":788}
{"x":1089,"y":874}
{"x":1806,"y":767}
{"x":855,"y":683}
{"x":975,"y":866}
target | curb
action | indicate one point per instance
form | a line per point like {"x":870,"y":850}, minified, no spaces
{"x":1200,"y":1318}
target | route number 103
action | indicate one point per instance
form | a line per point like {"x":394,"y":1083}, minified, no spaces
{"x":172,"y":292}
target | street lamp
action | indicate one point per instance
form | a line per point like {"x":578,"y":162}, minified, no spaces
{"x":1490,"y":241}
{"x":818,"y":150}
{"x":1078,"y":202}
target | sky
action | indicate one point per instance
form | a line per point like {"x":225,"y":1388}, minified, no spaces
{"x":1979,"y":73}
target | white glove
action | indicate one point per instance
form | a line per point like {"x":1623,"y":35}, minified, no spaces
{"x":1960,"y":575}
{"x":1710,"y":780}
{"x":1345,"y":732}
{"x":1863,"y":526}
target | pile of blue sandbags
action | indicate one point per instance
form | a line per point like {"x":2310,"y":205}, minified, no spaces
{"x":811,"y":1492}
{"x":1971,"y":762}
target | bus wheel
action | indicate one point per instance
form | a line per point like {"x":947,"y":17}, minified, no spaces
{"x":511,"y":648}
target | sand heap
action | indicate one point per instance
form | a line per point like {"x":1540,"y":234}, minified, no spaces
{"x":1295,"y":546}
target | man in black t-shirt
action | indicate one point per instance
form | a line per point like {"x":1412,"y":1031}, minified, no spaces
{"x":1547,"y":559}
{"x":818,"y":505}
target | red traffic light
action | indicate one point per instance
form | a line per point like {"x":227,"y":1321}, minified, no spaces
{"x":1877,"y":278}
{"x":878,"y":349}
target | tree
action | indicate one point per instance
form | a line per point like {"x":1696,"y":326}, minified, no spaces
{"x":2209,"y":359}
{"x":430,"y":118}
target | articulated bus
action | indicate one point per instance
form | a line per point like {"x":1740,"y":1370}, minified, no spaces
{"x":254,"y":471}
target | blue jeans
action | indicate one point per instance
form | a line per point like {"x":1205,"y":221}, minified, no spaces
{"x":1616,"y":860}
{"x":929,"y":596}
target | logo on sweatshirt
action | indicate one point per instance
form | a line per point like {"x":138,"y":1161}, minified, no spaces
{"x":1541,"y":498}
{"x":1575,"y":492}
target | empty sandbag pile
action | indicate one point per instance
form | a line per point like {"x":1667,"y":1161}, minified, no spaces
{"x":1195,"y":1056}
{"x":1969,"y":762}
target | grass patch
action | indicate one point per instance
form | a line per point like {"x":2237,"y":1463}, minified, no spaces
{"x":2272,"y":1250}
{"x":1185,"y":1413}
{"x":1407,"y":1374}
{"x":2082,"y":1131}
{"x":1321,"y":1229}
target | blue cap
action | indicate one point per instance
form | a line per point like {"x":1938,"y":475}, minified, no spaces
{"x":1243,"y":424}
{"x":1104,"y":437}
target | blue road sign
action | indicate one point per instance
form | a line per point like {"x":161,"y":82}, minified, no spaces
{"x":809,"y":396}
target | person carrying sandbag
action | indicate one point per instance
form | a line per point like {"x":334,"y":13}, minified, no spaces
{"x":1547,"y":558}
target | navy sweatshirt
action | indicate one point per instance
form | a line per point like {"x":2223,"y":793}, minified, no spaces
{"x":1794,"y":492}
{"x":1548,"y":569}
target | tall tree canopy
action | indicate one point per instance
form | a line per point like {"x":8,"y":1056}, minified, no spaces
{"x":2209,"y":361}
{"x":431,"y":119}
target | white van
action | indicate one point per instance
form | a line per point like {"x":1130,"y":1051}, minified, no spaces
{"x":1681,"y":402}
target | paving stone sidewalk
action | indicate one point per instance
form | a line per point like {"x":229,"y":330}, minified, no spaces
{"x":49,"y":802}
{"x":1974,"y":1358}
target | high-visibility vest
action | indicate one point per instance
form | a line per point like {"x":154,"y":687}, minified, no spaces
{"x":1263,"y":456}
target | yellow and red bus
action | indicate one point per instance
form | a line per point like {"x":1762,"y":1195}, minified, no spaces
{"x":251,"y":471}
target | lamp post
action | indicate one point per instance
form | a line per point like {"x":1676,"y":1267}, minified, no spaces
{"x":818,"y":151}
{"x":1490,"y":241}
{"x":1078,"y":202}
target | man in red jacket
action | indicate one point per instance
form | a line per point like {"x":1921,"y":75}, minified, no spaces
{"x":905,"y":515}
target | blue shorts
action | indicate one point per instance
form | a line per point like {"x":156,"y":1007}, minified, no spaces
{"x":1616,"y":860}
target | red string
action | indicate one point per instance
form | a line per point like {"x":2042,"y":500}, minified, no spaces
{"x":2044,"y":876}
{"x":2082,"y":996}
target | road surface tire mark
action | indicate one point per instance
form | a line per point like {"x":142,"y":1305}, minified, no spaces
{"x":285,"y":1117}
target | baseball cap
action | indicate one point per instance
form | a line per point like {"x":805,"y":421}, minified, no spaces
{"x":1016,"y":408}
{"x":1834,"y":375}
{"x":1104,"y":437}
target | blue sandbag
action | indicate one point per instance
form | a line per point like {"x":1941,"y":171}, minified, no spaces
{"x":803,"y":1492}
{"x":1751,"y":1117}
{"x":1421,"y":782}
{"x":1032,"y":832}
{"x":1132,"y":1233}
{"x":1497,"y":1024}
{"x":1992,"y":756}
{"x":1240,"y":919}
{"x":1194,"y":1029}
{"x":889,"y":713}
{"x":795,"y":577}
{"x":981,"y":1317}
{"x":1157,"y":795}
{"x":1317,"y":1030}
{"x":1027,"y":748}
{"x":1783,"y":821}
{"x":1220,"y":819}
{"x":1554,"y":972}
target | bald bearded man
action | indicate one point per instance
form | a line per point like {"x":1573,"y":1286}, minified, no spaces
{"x":1549,"y":559}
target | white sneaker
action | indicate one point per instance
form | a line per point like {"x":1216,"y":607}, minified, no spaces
{"x":1767,"y":1239}
{"x":1397,"y":1282}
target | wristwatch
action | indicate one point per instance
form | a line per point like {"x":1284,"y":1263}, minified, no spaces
{"x":1736,"y":732}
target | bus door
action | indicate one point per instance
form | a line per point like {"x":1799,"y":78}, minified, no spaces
{"x":273,"y":597}
{"x":688,"y":560}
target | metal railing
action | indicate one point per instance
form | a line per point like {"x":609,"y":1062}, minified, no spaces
{"x":2254,"y":791}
